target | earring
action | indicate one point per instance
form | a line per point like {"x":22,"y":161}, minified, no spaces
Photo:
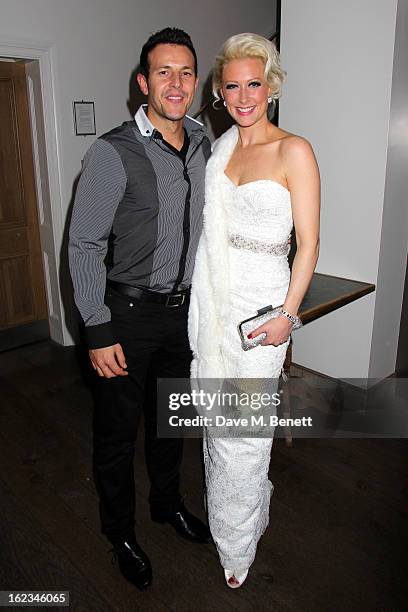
{"x":269,"y":99}
{"x":224,"y":103}
{"x":272,"y":108}
{"x":216,"y":104}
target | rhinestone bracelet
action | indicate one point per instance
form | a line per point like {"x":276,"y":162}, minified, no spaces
{"x":296,"y":322}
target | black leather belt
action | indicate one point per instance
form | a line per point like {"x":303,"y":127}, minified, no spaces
{"x":169,"y":300}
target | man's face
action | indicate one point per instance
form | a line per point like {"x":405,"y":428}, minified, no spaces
{"x":172,"y":82}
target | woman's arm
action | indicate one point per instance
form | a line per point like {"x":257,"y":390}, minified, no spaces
{"x":302,"y":175}
{"x":303,"y":179}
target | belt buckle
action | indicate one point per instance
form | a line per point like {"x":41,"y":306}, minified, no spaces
{"x":175,"y":295}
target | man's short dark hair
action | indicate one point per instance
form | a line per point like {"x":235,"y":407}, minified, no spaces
{"x":168,"y":36}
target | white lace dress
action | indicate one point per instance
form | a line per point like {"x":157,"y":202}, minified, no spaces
{"x":251,"y":248}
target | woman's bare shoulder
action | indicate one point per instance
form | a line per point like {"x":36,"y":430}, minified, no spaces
{"x":297,"y":156}
{"x":292,"y":144}
{"x":288,"y":143}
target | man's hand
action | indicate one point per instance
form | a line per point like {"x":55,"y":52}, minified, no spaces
{"x":109,"y":361}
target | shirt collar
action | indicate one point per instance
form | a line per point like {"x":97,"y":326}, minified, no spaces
{"x":143,"y":123}
{"x":146,"y":128}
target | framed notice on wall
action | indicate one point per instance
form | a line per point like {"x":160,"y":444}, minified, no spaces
{"x":84,"y":118}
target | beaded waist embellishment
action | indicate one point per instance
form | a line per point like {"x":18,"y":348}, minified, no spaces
{"x":256,"y":246}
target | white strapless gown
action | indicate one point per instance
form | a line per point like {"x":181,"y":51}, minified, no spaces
{"x":259,"y":220}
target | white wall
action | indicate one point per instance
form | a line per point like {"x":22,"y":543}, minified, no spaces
{"x":97,"y":45}
{"x":394,"y":237}
{"x":339,"y":59}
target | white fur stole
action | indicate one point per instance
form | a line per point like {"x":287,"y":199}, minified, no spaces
{"x":210,"y":294}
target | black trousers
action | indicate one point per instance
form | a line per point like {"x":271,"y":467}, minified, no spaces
{"x":155,"y":343}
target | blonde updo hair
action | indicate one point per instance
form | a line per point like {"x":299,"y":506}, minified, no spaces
{"x":242,"y":46}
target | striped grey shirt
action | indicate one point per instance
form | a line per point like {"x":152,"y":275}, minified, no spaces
{"x":137,"y":217}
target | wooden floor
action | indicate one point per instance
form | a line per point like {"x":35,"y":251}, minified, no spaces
{"x":337,"y":540}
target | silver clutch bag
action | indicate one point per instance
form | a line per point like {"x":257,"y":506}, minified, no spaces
{"x":263,"y":315}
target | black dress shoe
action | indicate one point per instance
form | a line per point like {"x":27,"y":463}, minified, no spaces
{"x":186,"y":524}
{"x":133,"y":563}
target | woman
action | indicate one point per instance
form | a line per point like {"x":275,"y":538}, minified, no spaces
{"x":260,"y":181}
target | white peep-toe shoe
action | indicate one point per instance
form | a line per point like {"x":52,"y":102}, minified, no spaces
{"x":239,"y":576}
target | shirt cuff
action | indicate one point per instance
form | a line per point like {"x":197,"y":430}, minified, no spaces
{"x":100,"y":336}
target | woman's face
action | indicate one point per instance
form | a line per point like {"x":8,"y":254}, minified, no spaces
{"x":245,"y":90}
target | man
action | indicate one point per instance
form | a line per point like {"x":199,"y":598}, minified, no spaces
{"x":139,"y":201}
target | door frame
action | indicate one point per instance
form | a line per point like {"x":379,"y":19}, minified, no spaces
{"x":44,"y":53}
